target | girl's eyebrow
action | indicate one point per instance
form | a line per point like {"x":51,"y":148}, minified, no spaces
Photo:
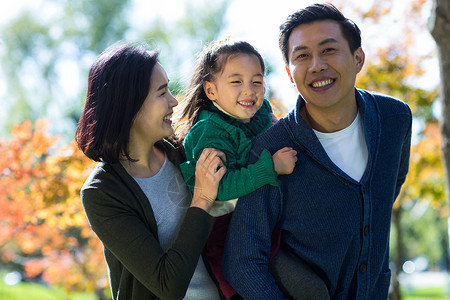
{"x":237,"y":74}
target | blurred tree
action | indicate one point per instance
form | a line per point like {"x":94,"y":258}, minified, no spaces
{"x":179,"y":40}
{"x":440,"y":27}
{"x":44,"y":230}
{"x":36,"y":47}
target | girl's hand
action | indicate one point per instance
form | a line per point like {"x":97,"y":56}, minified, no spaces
{"x":208,"y":173}
{"x":284,"y":161}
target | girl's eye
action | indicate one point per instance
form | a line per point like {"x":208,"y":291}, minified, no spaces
{"x":257,"y":82}
{"x":235,"y":82}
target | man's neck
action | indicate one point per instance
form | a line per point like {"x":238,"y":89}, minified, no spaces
{"x":328,"y":120}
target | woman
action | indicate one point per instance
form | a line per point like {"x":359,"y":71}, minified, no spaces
{"x":152,"y":229}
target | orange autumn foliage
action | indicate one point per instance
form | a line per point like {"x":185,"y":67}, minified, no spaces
{"x":44,"y":227}
{"x":425,"y":180}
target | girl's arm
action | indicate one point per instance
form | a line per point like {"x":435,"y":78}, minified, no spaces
{"x":236,"y":182}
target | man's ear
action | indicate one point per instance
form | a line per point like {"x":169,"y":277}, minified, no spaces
{"x":360,"y":58}
{"x":210,"y":90}
{"x":289,"y":74}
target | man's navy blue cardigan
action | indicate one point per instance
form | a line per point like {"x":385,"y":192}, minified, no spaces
{"x":338,"y":226}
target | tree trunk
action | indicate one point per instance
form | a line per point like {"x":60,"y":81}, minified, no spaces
{"x":439,"y":26}
{"x":395,"y":284}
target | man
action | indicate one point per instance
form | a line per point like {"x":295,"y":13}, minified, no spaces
{"x":353,"y":152}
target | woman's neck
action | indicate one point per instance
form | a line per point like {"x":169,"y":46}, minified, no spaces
{"x":147,"y":165}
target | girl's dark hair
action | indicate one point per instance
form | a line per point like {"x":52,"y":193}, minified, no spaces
{"x":118,"y":84}
{"x":210,"y":62}
{"x":318,"y":12}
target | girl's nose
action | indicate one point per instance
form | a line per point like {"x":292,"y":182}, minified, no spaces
{"x":247,"y":89}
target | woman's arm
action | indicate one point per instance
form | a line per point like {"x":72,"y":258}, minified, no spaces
{"x":116,"y":216}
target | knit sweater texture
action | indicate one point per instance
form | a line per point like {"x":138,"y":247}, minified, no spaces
{"x":338,"y":226}
{"x":215,"y":129}
{"x":122,"y":217}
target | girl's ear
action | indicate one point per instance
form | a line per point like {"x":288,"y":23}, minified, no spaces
{"x":210,"y":90}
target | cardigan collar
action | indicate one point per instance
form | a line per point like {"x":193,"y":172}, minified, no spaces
{"x":303,"y":135}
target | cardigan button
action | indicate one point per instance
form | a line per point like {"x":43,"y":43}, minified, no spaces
{"x":363,"y":268}
{"x":366,"y":230}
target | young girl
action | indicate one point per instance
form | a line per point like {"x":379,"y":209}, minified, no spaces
{"x":225,"y":109}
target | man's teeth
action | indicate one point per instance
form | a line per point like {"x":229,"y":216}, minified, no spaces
{"x":319,"y":84}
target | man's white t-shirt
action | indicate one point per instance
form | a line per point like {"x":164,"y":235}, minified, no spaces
{"x":347,"y":148}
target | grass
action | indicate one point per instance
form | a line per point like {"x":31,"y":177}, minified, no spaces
{"x":32,"y":291}
{"x":435,"y":293}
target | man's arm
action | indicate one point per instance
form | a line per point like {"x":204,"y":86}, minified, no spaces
{"x":404,"y":159}
{"x":247,"y":249}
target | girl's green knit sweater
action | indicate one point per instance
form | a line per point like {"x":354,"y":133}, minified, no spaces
{"x":214,"y":129}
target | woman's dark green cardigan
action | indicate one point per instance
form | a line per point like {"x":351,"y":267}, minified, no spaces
{"x":121,"y":216}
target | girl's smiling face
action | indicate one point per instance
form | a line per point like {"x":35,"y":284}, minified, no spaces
{"x":239,"y":88}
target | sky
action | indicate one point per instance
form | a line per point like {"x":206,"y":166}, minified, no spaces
{"x":257,"y":22}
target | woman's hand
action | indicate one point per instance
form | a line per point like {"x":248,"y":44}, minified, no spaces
{"x":208,"y":173}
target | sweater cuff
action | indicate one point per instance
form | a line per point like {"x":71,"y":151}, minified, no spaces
{"x":264,"y":170}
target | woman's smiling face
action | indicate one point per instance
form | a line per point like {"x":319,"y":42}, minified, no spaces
{"x":153,"y":121}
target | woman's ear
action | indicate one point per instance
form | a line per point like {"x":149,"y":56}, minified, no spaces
{"x":210,"y":90}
